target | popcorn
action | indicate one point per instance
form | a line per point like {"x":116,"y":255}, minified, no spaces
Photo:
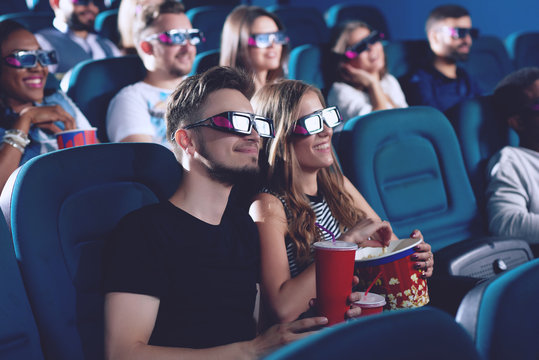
{"x":394,"y":281}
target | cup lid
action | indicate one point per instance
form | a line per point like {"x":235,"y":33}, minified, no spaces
{"x":371,"y":300}
{"x":335,"y":245}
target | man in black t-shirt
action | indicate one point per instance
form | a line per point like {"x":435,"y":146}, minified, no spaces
{"x":180,"y":276}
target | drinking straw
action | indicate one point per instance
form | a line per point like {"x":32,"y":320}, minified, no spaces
{"x":326,"y":230}
{"x":372,"y":283}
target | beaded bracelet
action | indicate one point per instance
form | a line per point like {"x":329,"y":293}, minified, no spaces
{"x":9,"y":141}
{"x":18,"y":135}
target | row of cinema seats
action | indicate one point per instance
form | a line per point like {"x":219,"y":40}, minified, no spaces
{"x":60,"y":207}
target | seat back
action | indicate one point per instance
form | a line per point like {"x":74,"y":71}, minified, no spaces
{"x":502,"y":315}
{"x":488,"y":62}
{"x":305,"y":63}
{"x":408,"y":165}
{"x":340,"y":13}
{"x":33,"y":21}
{"x":93,"y":83}
{"x":481,"y":134}
{"x":19,"y":338}
{"x":64,"y":204}
{"x":402,"y":57}
{"x":391,"y":335}
{"x":303,"y":24}
{"x":523,"y":49}
{"x":205,"y":60}
{"x":106,"y":25}
{"x":210,"y":20}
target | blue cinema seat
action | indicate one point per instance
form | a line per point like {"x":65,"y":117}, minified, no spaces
{"x":488,"y":62}
{"x":19,"y":338}
{"x":502,"y":315}
{"x":404,"y":56}
{"x":303,"y":24}
{"x":406,"y":334}
{"x":481,"y":134}
{"x":210,"y":20}
{"x":93,"y":83}
{"x":523,"y":49}
{"x":63,"y":206}
{"x":33,"y":21}
{"x":340,"y":13}
{"x":205,"y":60}
{"x":305,"y":63}
{"x":408,"y":165}
{"x":106,"y":25}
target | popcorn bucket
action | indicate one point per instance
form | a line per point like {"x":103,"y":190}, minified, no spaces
{"x":400,"y":283}
{"x":78,"y":137}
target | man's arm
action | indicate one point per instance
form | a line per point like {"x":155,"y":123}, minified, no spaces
{"x":129,"y":322}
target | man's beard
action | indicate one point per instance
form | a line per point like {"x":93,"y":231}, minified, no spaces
{"x":456,"y":56}
{"x":75,"y":24}
{"x":228,"y":175}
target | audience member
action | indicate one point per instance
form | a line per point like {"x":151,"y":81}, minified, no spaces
{"x":441,"y":83}
{"x":306,"y":189}
{"x":253,"y":40}
{"x":513,"y":188}
{"x":127,"y":12}
{"x":180,"y":276}
{"x":72,"y":35}
{"x":29,"y":116}
{"x":363,"y":83}
{"x":165,"y":42}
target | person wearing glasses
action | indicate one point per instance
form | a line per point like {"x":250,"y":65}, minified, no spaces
{"x":305,"y":191}
{"x":29,"y":114}
{"x":166,"y":43}
{"x":441,"y":83}
{"x":363,"y":83}
{"x":72,"y":35}
{"x":513,"y":173}
{"x":180,"y":276}
{"x":254,"y":40}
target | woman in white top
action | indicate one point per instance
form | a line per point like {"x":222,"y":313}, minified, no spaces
{"x":363,"y":84}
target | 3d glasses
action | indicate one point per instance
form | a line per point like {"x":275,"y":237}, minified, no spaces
{"x":265,"y":40}
{"x":238,"y":122}
{"x":83,"y":2}
{"x":178,"y":37}
{"x":29,"y":58}
{"x":353,"y":51}
{"x":314,"y":123}
{"x":461,"y":33}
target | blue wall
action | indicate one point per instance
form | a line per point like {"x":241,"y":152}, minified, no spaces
{"x":406,"y":18}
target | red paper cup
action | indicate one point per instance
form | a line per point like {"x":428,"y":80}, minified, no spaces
{"x":77,"y":137}
{"x":371,"y":304}
{"x":334,"y":275}
{"x":401,"y":283}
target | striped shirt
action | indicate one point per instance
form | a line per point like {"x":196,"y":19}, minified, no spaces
{"x":324,"y":217}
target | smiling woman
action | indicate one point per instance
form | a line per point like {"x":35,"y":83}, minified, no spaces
{"x":29,"y":118}
{"x":253,"y":40}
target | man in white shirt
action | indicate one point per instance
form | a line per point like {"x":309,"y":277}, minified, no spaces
{"x":72,"y":35}
{"x":165,"y":41}
{"x":513,"y":189}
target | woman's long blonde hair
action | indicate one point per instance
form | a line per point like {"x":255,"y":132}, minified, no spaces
{"x":280,"y":101}
{"x":235,"y":36}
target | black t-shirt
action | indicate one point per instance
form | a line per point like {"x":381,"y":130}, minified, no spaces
{"x":204,"y":275}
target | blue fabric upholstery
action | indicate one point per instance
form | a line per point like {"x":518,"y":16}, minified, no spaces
{"x":210,"y":20}
{"x":33,"y":21}
{"x":481,"y":133}
{"x":405,"y":334}
{"x":205,"y":60}
{"x":94,"y":83}
{"x":403,"y":57}
{"x":305,"y":63}
{"x":408,"y":165}
{"x":523,"y":49}
{"x":371,"y":15}
{"x":488,"y":62}
{"x":19,"y":338}
{"x":304,"y":25}
{"x":502,"y":314}
{"x":63,"y":206}
{"x":106,"y":25}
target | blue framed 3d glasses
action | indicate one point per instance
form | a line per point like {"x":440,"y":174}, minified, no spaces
{"x":238,"y":122}
{"x":265,"y":40}
{"x":29,"y":58}
{"x":178,"y":37}
{"x":314,"y":123}
{"x":353,"y":51}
